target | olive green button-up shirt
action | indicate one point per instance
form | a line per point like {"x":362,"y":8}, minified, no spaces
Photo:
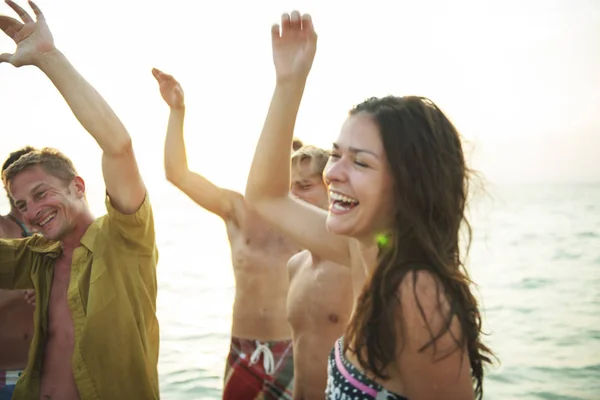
{"x":112,"y":298}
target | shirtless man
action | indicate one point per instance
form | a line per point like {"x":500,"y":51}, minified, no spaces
{"x":320,"y":296}
{"x":95,"y":327}
{"x":16,"y":315}
{"x":260,"y":360}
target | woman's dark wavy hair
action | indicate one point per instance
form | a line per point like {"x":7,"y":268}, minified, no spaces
{"x":431,"y":183}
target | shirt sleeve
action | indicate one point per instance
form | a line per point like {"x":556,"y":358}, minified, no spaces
{"x":136,"y":230}
{"x":16,"y":262}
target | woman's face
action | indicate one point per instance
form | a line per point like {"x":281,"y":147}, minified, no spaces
{"x":361,"y":189}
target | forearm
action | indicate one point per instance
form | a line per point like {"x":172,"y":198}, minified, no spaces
{"x":269,"y":175}
{"x":195,"y":186}
{"x":175,"y":156}
{"x":88,"y":106}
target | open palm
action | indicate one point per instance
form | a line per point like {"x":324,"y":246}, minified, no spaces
{"x":170,"y":89}
{"x":33,"y":38}
{"x":294,"y":47}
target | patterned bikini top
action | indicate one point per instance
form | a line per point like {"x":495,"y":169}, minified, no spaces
{"x":345,"y":381}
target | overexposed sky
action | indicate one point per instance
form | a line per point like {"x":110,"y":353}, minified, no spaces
{"x":521,"y":79}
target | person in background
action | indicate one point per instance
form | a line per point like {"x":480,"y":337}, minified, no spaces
{"x":260,"y":360}
{"x":320,"y":296}
{"x":16,"y":314}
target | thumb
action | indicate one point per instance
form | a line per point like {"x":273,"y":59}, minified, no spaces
{"x":5,"y":57}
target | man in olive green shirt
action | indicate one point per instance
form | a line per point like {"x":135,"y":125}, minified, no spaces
{"x":96,"y":333}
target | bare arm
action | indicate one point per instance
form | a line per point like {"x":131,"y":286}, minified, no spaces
{"x":268,"y":184}
{"x":206,"y":194}
{"x":35,"y":46}
{"x":119,"y":166}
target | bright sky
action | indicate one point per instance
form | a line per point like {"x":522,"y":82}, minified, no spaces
{"x":519,"y":78}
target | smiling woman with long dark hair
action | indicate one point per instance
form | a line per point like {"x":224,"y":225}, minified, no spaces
{"x":398,"y":186}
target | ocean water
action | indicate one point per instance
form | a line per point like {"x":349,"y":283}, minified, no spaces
{"x":536,"y":258}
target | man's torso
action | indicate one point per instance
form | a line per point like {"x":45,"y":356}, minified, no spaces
{"x":57,"y":379}
{"x":259,"y":257}
{"x":319,"y":307}
{"x":98,"y":321}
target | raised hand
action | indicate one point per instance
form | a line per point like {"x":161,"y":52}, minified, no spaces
{"x":33,"y":38}
{"x":294,"y":46}
{"x":170,"y":89}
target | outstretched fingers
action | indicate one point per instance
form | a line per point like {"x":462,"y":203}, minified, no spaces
{"x":295,"y":22}
{"x":286,"y":23}
{"x":36,"y":10}
{"x":25,"y":17}
{"x":275,"y":32}
{"x":307,"y":24}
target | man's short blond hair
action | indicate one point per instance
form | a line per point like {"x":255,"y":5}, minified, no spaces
{"x":50,"y":160}
{"x":316,"y":156}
